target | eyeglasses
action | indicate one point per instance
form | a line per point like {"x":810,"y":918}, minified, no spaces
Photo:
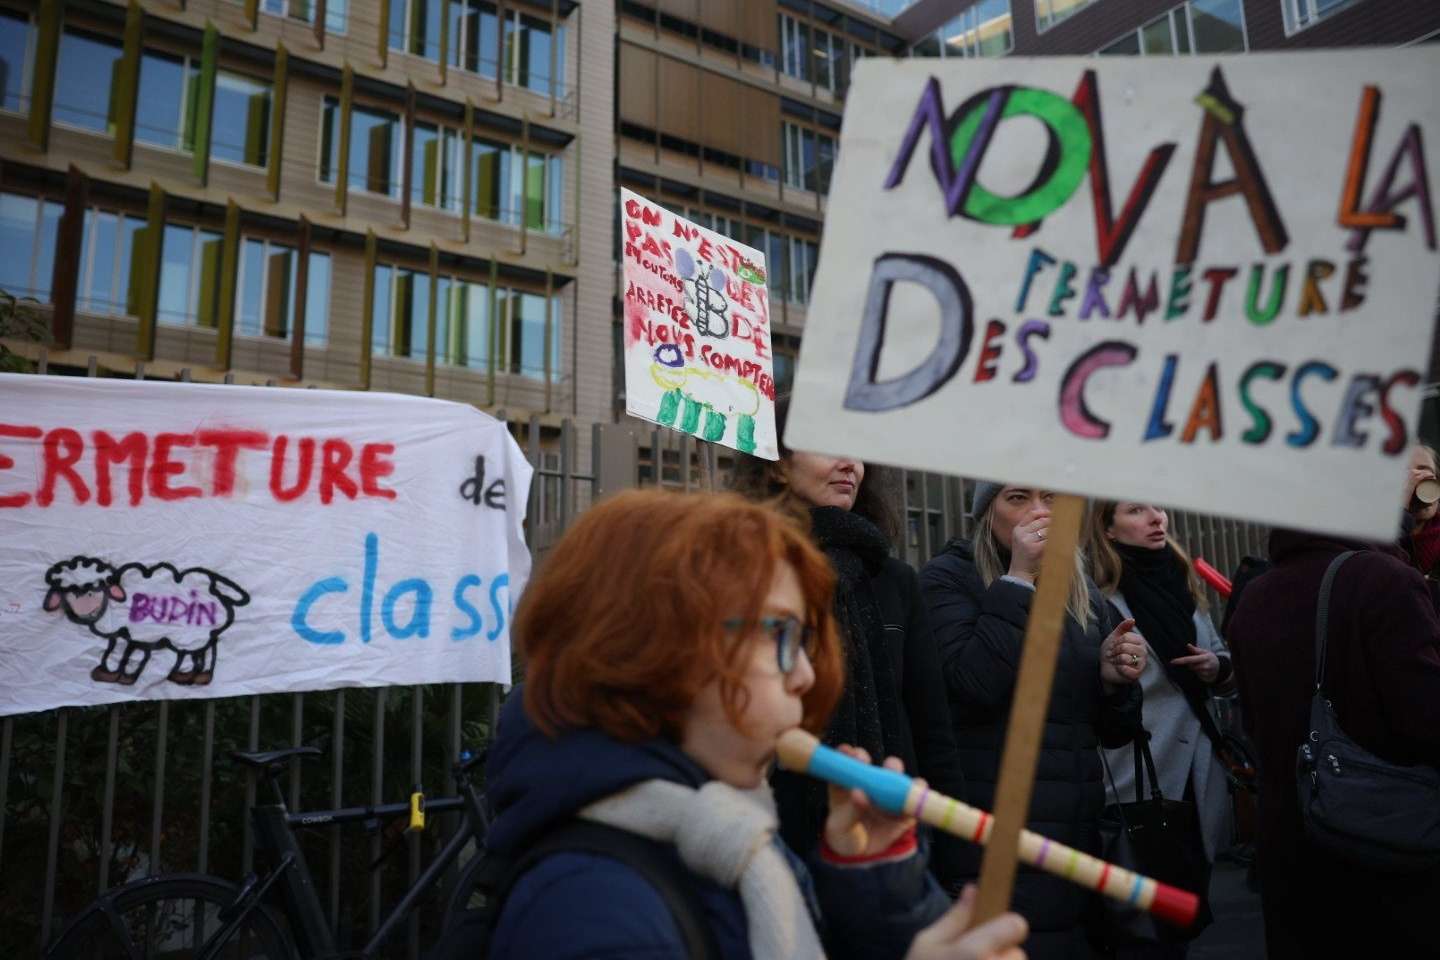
{"x":789,"y":634}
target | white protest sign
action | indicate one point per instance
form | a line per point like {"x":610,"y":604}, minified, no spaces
{"x":178,"y":541}
{"x":697,"y":330}
{"x":1205,"y":282}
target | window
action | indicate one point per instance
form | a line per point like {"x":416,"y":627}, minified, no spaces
{"x":375,"y":145}
{"x":189,"y":277}
{"x":165,"y":110}
{"x":415,"y":27}
{"x":804,"y":255}
{"x":984,"y":30}
{"x":510,"y":185}
{"x":1050,"y":12}
{"x":106,"y":284}
{"x":305,"y":10}
{"x":240,"y":122}
{"x":492,"y":179}
{"x":463,"y":330}
{"x":437,"y":172}
{"x":15,"y":39}
{"x":28,"y":227}
{"x":1300,"y":14}
{"x":85,"y":82}
{"x":474,"y":37}
{"x":528,"y":42}
{"x":794,"y":47}
{"x":1200,"y":26}
{"x":265,"y":292}
{"x":809,"y":159}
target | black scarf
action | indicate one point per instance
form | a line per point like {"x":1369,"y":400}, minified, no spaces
{"x":869,"y":712}
{"x":1157,"y":591}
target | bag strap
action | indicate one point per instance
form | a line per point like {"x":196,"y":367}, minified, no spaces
{"x":1322,"y":615}
{"x":647,"y":857}
{"x":1142,"y":749}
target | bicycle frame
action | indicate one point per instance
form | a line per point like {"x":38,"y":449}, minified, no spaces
{"x":275,"y":829}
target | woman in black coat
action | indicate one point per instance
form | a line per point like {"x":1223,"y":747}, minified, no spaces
{"x":894,"y":703}
{"x":979,"y":600}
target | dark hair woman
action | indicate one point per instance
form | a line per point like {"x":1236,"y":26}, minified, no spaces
{"x":979,"y":596}
{"x":893,"y":703}
{"x":1150,"y":577}
{"x":652,"y":704}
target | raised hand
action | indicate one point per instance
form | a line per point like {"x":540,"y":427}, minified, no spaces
{"x":950,"y":937}
{"x":1202,"y":662}
{"x":1123,"y":655}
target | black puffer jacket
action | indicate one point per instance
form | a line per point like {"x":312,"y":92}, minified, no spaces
{"x":980,"y":632}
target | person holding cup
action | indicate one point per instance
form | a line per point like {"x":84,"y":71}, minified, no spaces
{"x":1422,"y":499}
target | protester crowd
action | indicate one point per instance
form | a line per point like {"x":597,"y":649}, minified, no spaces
{"x":653,"y":709}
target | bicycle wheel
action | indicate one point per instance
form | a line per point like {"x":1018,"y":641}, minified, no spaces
{"x":466,"y":897}
{"x":169,"y":917}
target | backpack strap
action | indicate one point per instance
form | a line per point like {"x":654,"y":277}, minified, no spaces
{"x":649,"y":858}
{"x":1322,"y":615}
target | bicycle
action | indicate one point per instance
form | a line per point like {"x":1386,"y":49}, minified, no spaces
{"x":187,"y":916}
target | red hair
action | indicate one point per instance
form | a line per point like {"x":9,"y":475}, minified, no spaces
{"x":624,"y":622}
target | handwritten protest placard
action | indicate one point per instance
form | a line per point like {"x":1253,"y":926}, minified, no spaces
{"x":176,"y":541}
{"x":697,"y":330}
{"x":1205,"y":282}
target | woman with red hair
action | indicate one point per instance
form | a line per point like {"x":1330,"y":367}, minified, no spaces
{"x":668,"y":640}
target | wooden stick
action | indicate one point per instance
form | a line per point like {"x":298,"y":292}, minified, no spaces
{"x":894,"y":792}
{"x":1029,"y":707}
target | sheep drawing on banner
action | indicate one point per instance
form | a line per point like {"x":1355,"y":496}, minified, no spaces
{"x":142,"y":609}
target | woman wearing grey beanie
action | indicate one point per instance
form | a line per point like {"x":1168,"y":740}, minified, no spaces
{"x":978,"y":593}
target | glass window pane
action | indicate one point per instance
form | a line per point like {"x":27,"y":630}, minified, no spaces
{"x":994,"y":26}
{"x":279,"y":309}
{"x":130,"y":232}
{"x":380,"y":313}
{"x":251,"y":288}
{"x":825,"y":162}
{"x":240,"y":131}
{"x":1128,"y":45}
{"x":102,"y":234}
{"x":1155,"y":36}
{"x":14,"y":72}
{"x":527,"y":326}
{"x":317,"y":300}
{"x":18,"y":216}
{"x":85,"y":82}
{"x":175,"y":259}
{"x":535,"y":191}
{"x":808,"y":160}
{"x":555,"y":189}
{"x":329,"y":139}
{"x":45,"y":252}
{"x":425,"y":28}
{"x":1218,"y":26}
{"x":534,"y":54}
{"x":492,"y":179}
{"x":162,"y":94}
{"x":397,"y":24}
{"x":425,"y":163}
{"x":373,"y":143}
{"x":475,"y":334}
{"x":482,"y":38}
{"x":207,"y":280}
{"x":1182,"y":30}
{"x":443,"y":289}
{"x":335,"y":15}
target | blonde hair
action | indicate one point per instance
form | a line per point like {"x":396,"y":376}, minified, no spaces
{"x":1105,"y":564}
{"x":988,"y":563}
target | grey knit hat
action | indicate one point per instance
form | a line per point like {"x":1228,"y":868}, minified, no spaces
{"x":984,"y":493}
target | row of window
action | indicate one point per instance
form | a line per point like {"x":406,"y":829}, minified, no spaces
{"x":984,"y":30}
{"x":1197,"y":26}
{"x":1298,"y":15}
{"x":474,"y":40}
{"x":809,"y":158}
{"x":508,"y":184}
{"x":267,"y":287}
{"x":464,"y":331}
{"x":812,"y":54}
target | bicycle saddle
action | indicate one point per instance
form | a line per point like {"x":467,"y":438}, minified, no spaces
{"x":267,"y":758}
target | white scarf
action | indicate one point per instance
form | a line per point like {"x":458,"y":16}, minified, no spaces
{"x":727,"y":836}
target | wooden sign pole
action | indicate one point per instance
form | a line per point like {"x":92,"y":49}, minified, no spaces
{"x":1029,"y":707}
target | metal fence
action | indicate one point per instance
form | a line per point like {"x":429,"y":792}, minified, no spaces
{"x":94,"y":797}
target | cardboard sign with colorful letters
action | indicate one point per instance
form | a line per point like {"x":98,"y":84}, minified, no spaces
{"x":1204,"y":282}
{"x":697,"y":329}
{"x":179,"y":541}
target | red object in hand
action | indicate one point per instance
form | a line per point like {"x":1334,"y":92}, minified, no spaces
{"x":1213,"y":577}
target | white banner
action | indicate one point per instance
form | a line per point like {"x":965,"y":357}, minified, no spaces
{"x":697,"y":330}
{"x":181,"y":541}
{"x":1198,"y":281}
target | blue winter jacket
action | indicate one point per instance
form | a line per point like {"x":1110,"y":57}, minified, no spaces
{"x":576,"y":905}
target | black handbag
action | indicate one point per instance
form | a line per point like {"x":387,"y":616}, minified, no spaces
{"x":1357,"y":807}
{"x":1159,"y":838}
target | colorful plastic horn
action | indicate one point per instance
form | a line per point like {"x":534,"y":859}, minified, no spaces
{"x":896,"y":793}
{"x":1213,"y":577}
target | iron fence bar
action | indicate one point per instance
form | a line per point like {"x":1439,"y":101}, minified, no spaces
{"x":417,"y":747}
{"x":247,"y":854}
{"x":297,"y":734}
{"x":337,"y":760}
{"x":7,"y":734}
{"x":107,"y":810}
{"x":52,"y":848}
{"x":206,"y":762}
{"x":377,"y":785}
{"x":157,"y":810}
{"x":924,"y":518}
{"x":567,"y":474}
{"x":535,"y":513}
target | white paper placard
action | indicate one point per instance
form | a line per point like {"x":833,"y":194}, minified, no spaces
{"x":1207,"y":282}
{"x":177,"y":541}
{"x":697,"y":329}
